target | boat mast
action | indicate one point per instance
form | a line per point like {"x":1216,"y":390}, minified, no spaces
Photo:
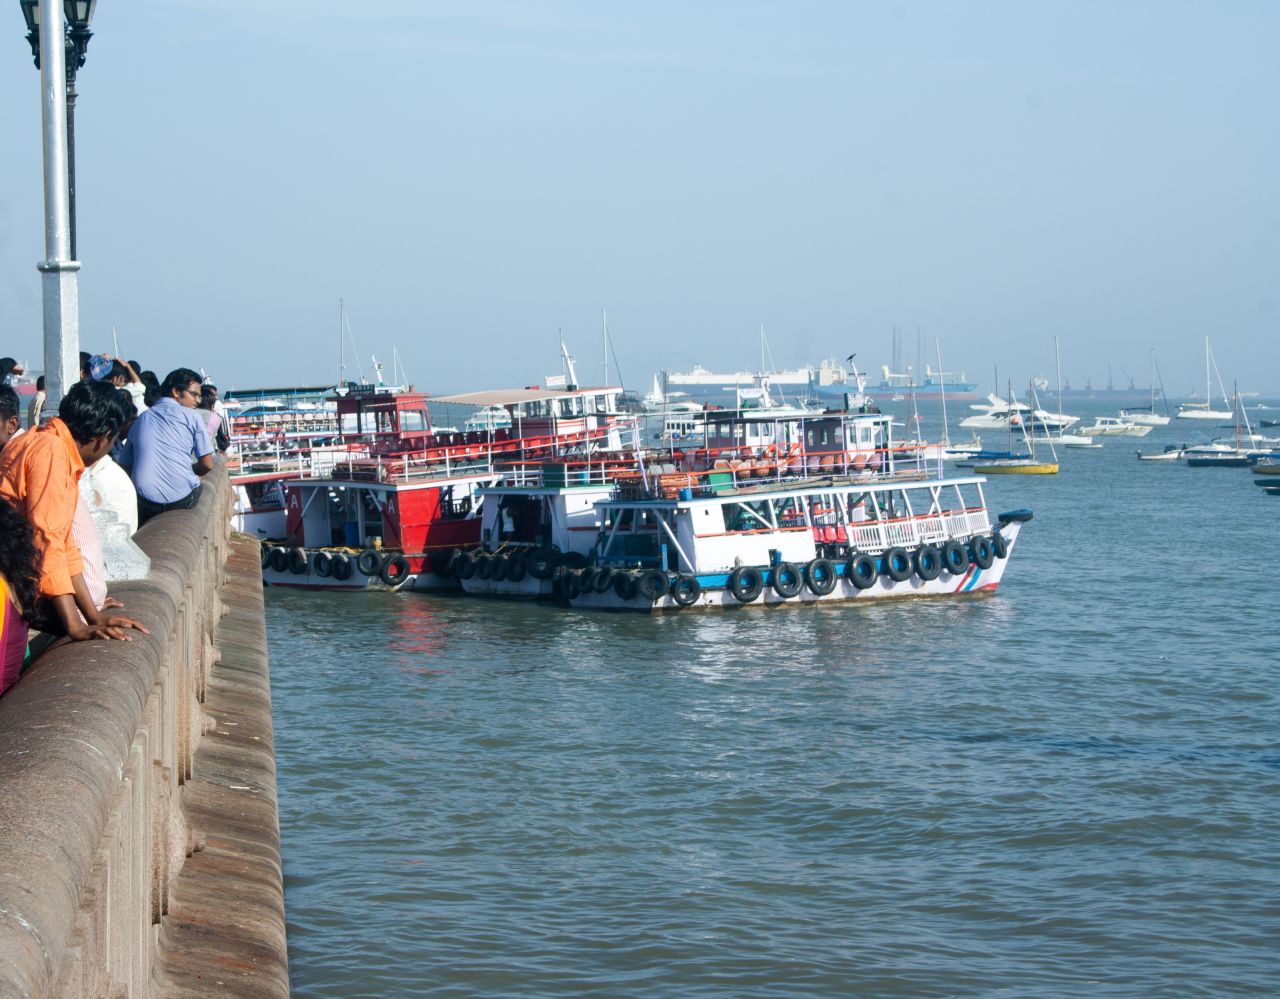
{"x":604,"y":325}
{"x":1057,"y":360}
{"x":342,"y":359}
{"x":942,"y":387}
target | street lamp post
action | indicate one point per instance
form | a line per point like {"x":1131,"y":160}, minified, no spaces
{"x":78,"y":14}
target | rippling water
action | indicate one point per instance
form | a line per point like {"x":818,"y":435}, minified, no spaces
{"x":1068,"y":788}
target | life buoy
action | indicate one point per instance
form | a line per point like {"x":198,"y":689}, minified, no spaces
{"x":604,"y":578}
{"x":298,"y":561}
{"x":624,"y":585}
{"x":685,"y":590}
{"x":820,"y":575}
{"x":484,"y":566}
{"x":369,"y":562}
{"x":982,"y":552}
{"x":442,"y":561}
{"x":787,"y":580}
{"x":543,"y":562}
{"x":928,"y":562}
{"x":517,"y":566}
{"x":955,"y":557}
{"x":499,"y":567}
{"x":322,"y":563}
{"x":342,"y":566}
{"x":395,"y":570}
{"x":897,"y":564}
{"x":264,"y":555}
{"x":652,"y":584}
{"x":861,"y":571}
{"x":464,"y":565}
{"x":745,"y":583}
{"x":280,"y":559}
{"x":1000,"y":545}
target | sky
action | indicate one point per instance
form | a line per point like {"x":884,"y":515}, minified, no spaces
{"x":477,"y":179}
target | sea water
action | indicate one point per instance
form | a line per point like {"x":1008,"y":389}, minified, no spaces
{"x":1068,"y":788}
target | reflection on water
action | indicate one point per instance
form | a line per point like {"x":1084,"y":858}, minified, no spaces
{"x":1068,"y":787}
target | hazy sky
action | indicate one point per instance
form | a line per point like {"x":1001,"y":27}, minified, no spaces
{"x":472,"y":177}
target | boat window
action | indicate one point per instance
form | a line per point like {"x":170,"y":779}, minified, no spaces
{"x":351,"y":423}
{"x":746,"y":516}
{"x":809,"y":437}
{"x":412,"y":419}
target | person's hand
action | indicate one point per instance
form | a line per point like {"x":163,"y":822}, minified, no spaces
{"x":100,"y":632}
{"x":119,"y":621}
{"x":111,"y":602}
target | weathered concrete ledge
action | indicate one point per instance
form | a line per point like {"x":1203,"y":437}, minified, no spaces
{"x":107,"y":830}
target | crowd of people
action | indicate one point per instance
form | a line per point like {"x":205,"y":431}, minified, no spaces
{"x":123,"y":443}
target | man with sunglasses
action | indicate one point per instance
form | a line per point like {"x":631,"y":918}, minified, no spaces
{"x":161,"y":445}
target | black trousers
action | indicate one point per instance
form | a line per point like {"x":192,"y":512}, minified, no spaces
{"x":147,"y":509}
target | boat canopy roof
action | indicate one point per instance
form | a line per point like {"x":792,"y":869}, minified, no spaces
{"x":515,"y":397}
{"x":784,"y":490}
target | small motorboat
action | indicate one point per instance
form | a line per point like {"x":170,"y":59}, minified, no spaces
{"x":1171,"y":452}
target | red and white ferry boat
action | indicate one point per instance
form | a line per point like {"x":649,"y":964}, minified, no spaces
{"x":392,"y":498}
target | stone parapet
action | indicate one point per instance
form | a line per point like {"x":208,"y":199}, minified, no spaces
{"x":102,"y":795}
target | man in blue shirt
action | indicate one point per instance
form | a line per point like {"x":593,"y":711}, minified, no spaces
{"x":162,"y":443}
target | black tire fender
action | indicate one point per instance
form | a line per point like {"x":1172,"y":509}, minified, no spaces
{"x":897,"y":564}
{"x":652,"y":584}
{"x":395,"y":570}
{"x":298,"y":561}
{"x":685,"y":590}
{"x":543,"y":562}
{"x":1000,"y":544}
{"x":342,"y":567}
{"x":982,"y":552}
{"x":787,"y":580}
{"x":322,"y":564}
{"x":624,"y":585}
{"x":369,"y":562}
{"x":517,"y":566}
{"x":955,"y":557}
{"x":928,"y":562}
{"x":745,"y":583}
{"x":820,"y":576}
{"x":279,"y":559}
{"x":464,"y":565}
{"x":442,"y":561}
{"x":861,"y":571}
{"x":604,"y":579}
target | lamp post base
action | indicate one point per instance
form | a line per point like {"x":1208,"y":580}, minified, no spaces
{"x":60,"y":291}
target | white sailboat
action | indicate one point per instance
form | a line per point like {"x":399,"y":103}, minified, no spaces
{"x":1147,"y":416}
{"x":950,"y":450}
{"x":1062,"y":437}
{"x":1204,"y":410}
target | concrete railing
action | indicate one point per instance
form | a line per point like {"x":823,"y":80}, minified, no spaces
{"x":96,"y":742}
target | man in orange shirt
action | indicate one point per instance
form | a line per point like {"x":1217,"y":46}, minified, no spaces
{"x":39,"y":472}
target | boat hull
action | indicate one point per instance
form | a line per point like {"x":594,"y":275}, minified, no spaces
{"x":1035,"y":468}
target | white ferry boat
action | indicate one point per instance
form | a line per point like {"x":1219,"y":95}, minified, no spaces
{"x":841,"y":516}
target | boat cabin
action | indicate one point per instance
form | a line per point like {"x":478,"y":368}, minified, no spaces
{"x":549,"y":412}
{"x":393,"y":420}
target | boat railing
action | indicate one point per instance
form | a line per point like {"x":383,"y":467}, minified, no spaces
{"x":920,"y":529}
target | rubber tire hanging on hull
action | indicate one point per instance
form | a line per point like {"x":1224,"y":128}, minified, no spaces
{"x":982,"y":552}
{"x":280,"y":559}
{"x":928,"y":562}
{"x":543,"y":562}
{"x":298,"y":561}
{"x":484,"y":566}
{"x":499,"y":568}
{"x":464,"y":566}
{"x":685,"y":590}
{"x":342,"y":567}
{"x":369,"y":562}
{"x":624,"y":585}
{"x":442,"y":561}
{"x":787,"y":580}
{"x":517,"y":566}
{"x":322,"y":564}
{"x":652,"y":584}
{"x":897,"y":564}
{"x":820,"y":576}
{"x":264,"y":556}
{"x":395,"y":570}
{"x":745,"y":583}
{"x":955,"y":557}
{"x":604,"y":579}
{"x":861,"y":571}
{"x":1000,"y":544}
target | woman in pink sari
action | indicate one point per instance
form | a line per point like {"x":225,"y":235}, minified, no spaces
{"x":19,"y":571}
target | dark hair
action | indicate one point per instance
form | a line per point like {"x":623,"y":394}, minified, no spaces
{"x":91,"y":409}
{"x":178,"y":378}
{"x":118,"y":370}
{"x":40,"y":384}
{"x":19,"y":563}
{"x":85,"y":358}
{"x":137,"y":366}
{"x":127,"y":400}
{"x":152,"y":383}
{"x":208,"y":395}
{"x":8,"y":402}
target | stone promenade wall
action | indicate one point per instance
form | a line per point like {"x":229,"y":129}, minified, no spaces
{"x":122,"y":787}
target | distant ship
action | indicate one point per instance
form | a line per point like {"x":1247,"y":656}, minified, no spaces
{"x":934,"y":384}
{"x":829,"y":379}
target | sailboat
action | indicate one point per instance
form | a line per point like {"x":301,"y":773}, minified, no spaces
{"x":950,"y":450}
{"x":1204,"y":410}
{"x":1062,"y":437}
{"x":1221,"y":455}
{"x":1028,"y":465}
{"x":1146,"y":416}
